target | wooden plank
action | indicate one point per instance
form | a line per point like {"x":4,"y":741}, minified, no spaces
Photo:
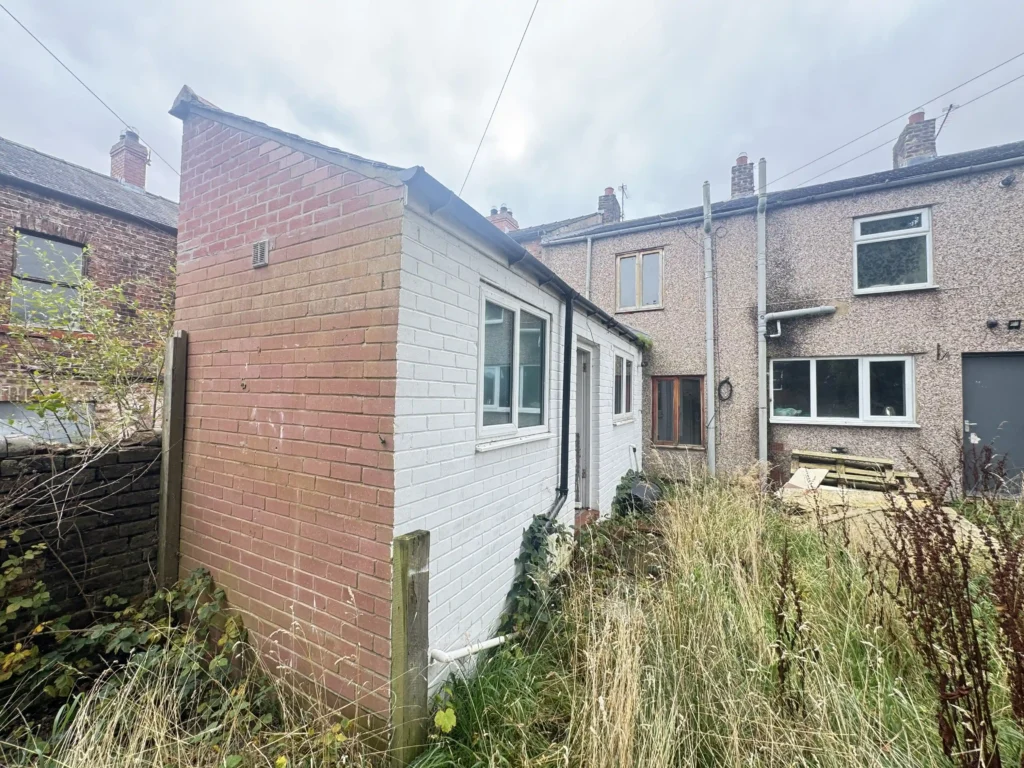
{"x":410,"y":711}
{"x":175,"y":379}
{"x":848,"y":459}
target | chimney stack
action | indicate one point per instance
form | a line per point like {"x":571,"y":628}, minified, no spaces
{"x":608,"y":207}
{"x":128,"y":160}
{"x":503,"y":220}
{"x":742,"y":177}
{"x":916,"y":143}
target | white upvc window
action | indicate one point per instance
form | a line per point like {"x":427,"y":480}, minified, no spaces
{"x":893,"y":252}
{"x":638,"y":280}
{"x":623,"y":390}
{"x":855,"y":391}
{"x":514,"y":370}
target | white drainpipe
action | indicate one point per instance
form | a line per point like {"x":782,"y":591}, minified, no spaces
{"x":709,"y":330}
{"x":590,"y":244}
{"x":447,"y":657}
{"x":762,"y":324}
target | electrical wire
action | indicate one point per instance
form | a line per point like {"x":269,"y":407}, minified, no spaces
{"x":893,"y":120}
{"x":497,"y":100}
{"x":894,"y":138}
{"x":82,"y":83}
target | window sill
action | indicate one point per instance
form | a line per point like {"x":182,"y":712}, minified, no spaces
{"x":842,"y":423}
{"x":618,"y":422}
{"x":671,"y":447}
{"x":894,"y":289}
{"x":508,"y":442}
{"x":631,"y":310}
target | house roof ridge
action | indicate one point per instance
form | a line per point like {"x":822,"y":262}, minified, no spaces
{"x":541,"y":228}
{"x":951,"y":163}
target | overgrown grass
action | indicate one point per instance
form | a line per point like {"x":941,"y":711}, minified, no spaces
{"x":741,"y":638}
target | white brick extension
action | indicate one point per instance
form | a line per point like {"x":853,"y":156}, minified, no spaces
{"x":476,"y":503}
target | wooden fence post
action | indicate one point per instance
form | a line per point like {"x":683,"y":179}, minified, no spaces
{"x":175,"y":371}
{"x":410,"y":589}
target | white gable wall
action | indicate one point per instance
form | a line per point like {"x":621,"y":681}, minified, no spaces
{"x":474,"y":503}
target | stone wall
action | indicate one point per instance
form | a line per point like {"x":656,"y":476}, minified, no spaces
{"x":96,"y":509}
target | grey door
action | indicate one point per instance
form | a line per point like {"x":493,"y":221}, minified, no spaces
{"x":993,"y":419}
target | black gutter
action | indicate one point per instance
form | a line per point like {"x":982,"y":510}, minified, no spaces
{"x":82,"y":202}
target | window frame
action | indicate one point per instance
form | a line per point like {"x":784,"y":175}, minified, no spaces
{"x":865,"y":419}
{"x":628,"y":393}
{"x":638,"y":282}
{"x":900,"y":234}
{"x":512,"y":430}
{"x":677,"y":379}
{"x":18,"y":233}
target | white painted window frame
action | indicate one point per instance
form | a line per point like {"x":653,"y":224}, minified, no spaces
{"x":899,"y":234}
{"x":628,"y":363}
{"x":639,"y":272}
{"x":863,"y":392}
{"x":512,"y":430}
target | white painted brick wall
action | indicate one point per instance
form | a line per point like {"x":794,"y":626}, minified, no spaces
{"x":477,"y":504}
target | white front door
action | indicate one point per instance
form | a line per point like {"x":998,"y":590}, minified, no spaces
{"x":582,"y":428}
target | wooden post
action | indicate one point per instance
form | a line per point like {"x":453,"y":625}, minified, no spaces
{"x":175,"y":371}
{"x":410,"y":589}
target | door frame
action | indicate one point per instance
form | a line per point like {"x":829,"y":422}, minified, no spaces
{"x":584,"y":435}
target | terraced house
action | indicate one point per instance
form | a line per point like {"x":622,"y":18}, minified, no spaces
{"x":372,"y":361}
{"x":890,"y":311}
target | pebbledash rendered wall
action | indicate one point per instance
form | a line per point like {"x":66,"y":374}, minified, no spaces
{"x":475,"y":496}
{"x":978,"y":256}
{"x":287,"y":484}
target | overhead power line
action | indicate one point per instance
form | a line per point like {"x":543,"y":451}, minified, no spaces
{"x":893,"y":120}
{"x":497,"y":100}
{"x":894,"y":138}
{"x":82,"y":82}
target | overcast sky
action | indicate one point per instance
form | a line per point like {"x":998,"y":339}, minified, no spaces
{"x":657,"y":95}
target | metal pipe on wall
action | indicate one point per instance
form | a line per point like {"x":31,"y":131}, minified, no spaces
{"x":762,"y":324}
{"x":709,"y":331}
{"x":590,"y":262}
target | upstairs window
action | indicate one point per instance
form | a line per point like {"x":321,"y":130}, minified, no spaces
{"x":843,"y":390}
{"x":514,"y":373}
{"x":44,"y":285}
{"x":893,"y":252}
{"x":639,"y":281}
{"x":623,"y":387}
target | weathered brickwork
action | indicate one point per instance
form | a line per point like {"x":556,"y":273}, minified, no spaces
{"x":119,"y":248}
{"x":288,"y":489}
{"x":102,"y":538}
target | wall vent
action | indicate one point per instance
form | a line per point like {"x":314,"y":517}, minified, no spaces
{"x":260,"y":254}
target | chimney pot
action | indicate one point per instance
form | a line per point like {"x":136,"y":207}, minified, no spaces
{"x":129,"y":158}
{"x":494,"y":211}
{"x":917,"y":117}
{"x":504,"y":209}
{"x":742,"y":159}
{"x":502,"y":218}
{"x":609,"y":190}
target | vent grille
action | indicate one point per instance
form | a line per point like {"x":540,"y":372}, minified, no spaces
{"x":260,"y":254}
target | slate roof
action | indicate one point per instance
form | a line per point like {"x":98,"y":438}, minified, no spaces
{"x":539,"y":230}
{"x":964,"y":162}
{"x":23,"y":165}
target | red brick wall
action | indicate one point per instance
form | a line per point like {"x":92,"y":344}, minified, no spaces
{"x":119,"y":249}
{"x":288,"y":490}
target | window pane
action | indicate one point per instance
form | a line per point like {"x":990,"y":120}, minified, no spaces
{"x":48,"y":260}
{"x":629,"y":386}
{"x":498,"y":347}
{"x":651,"y":282}
{"x":532,"y":342}
{"x":893,"y":224}
{"x":791,"y":388}
{"x":627,"y":282}
{"x":838,"y":388}
{"x":690,"y":417}
{"x":888,"y":387}
{"x":893,"y":262}
{"x":53,"y":306}
{"x":665,"y":417}
{"x":618,"y":384}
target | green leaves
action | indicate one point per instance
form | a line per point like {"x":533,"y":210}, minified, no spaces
{"x":444,"y":720}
